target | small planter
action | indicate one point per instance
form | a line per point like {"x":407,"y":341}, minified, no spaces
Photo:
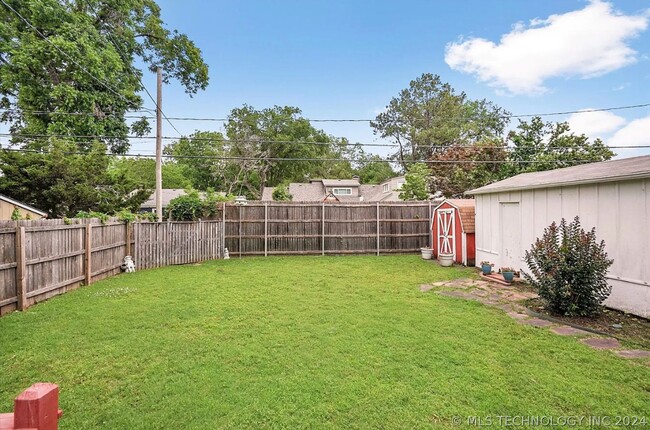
{"x":426,"y":253}
{"x":508,"y":273}
{"x":446,"y":260}
{"x":486,"y":268}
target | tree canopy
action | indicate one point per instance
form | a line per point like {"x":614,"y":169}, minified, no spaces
{"x":429,"y":116}
{"x":80,"y":57}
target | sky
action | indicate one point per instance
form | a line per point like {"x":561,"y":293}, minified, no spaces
{"x":346,"y":59}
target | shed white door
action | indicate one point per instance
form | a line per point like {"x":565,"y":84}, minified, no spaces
{"x":446,"y":232}
{"x":511,"y":252}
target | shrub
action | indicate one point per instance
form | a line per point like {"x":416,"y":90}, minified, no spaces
{"x":188,"y":207}
{"x":568,"y":268}
{"x":15,"y":214}
{"x":281,"y":194}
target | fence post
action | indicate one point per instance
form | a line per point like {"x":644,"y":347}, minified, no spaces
{"x":266,"y":229}
{"x":430,"y":226}
{"x":21,"y":269}
{"x":322,"y":228}
{"x":89,"y":251}
{"x":128,"y":238}
{"x":377,"y":229}
{"x":223,"y":228}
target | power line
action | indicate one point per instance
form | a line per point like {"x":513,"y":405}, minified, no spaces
{"x":464,"y":118}
{"x":286,"y":142}
{"x":379,"y":160}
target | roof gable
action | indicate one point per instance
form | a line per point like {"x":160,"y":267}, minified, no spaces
{"x":22,"y":205}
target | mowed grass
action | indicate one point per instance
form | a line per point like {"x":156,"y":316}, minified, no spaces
{"x":301,"y":342}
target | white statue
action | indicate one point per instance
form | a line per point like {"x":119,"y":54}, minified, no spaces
{"x":226,"y":254}
{"x":128,"y":265}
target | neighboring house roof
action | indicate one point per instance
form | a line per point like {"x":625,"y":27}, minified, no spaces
{"x":22,"y":205}
{"x":605,"y":171}
{"x":168,"y":194}
{"x":338,"y":182}
{"x":316,"y":190}
{"x":310,"y":192}
{"x":467,"y":209}
{"x":267,"y":194}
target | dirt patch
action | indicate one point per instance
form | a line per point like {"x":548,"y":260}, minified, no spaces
{"x":621,"y":325}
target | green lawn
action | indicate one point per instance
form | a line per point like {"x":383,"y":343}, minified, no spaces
{"x":300,"y":342}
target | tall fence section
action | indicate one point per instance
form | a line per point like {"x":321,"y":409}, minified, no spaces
{"x":44,"y":258}
{"x":326,"y":228}
{"x":169,"y":243}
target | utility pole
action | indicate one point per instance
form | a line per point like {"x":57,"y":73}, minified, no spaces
{"x":159,"y":144}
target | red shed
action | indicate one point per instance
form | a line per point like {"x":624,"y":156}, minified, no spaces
{"x":453,"y":230}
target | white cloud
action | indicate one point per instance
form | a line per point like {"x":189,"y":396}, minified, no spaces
{"x":595,"y":124}
{"x":584,"y":43}
{"x":636,"y":133}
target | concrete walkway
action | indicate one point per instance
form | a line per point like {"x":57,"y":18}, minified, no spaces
{"x":510,"y":298}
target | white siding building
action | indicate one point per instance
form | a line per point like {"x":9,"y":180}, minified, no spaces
{"x":613,"y":196}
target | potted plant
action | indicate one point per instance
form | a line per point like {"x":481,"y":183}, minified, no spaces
{"x":446,"y":260}
{"x":486,"y":267}
{"x":426,"y":253}
{"x":508,"y":273}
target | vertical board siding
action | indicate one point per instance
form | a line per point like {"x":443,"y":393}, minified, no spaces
{"x":170,"y":243}
{"x":278,"y":228}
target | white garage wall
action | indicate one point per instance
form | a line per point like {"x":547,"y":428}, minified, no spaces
{"x":620,"y":211}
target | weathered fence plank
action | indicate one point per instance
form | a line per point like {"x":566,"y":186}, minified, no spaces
{"x":280,"y":228}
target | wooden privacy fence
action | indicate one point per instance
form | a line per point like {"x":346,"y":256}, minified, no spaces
{"x":44,"y":258}
{"x":326,"y":228}
{"x":168,"y":243}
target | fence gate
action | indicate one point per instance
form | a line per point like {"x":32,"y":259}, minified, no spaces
{"x":446,"y":232}
{"x":167,"y":243}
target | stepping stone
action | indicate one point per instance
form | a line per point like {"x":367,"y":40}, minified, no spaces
{"x":602,"y":342}
{"x":425,"y":287}
{"x":634,"y":353}
{"x":517,"y":316}
{"x":453,"y":293}
{"x":536,"y":322}
{"x":565,"y":330}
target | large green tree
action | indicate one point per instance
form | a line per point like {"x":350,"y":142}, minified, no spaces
{"x":202,"y":156}
{"x":59,"y":57}
{"x":63,"y":182}
{"x":273,"y":145}
{"x":142,"y":172}
{"x":69,"y":68}
{"x":429,"y":116}
{"x":539,"y":145}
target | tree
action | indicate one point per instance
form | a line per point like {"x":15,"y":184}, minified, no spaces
{"x":416,"y":185}
{"x":538,"y":146}
{"x":81,"y":57}
{"x":459,"y":169}
{"x":372,"y":170}
{"x":273,"y":145}
{"x":142,"y":171}
{"x":202,"y":158}
{"x":430,"y":116}
{"x":64,"y":182}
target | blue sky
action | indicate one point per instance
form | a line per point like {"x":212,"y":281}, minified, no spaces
{"x":346,"y":59}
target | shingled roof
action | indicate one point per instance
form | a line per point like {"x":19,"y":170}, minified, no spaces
{"x":605,"y":171}
{"x":467,"y":209}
